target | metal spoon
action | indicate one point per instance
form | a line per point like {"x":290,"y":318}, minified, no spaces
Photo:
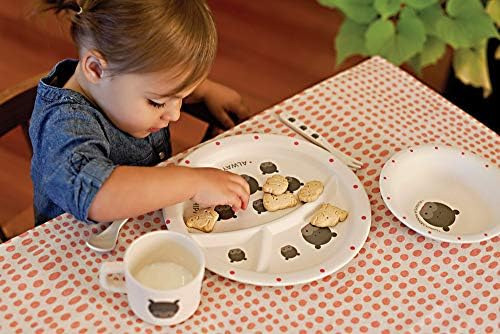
{"x":106,"y":240}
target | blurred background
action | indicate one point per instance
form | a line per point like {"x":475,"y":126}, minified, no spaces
{"x":268,"y":51}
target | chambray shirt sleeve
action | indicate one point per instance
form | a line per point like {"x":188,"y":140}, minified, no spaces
{"x":76,"y":160}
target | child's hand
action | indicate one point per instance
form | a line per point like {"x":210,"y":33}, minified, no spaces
{"x":222,"y":100}
{"x":217,"y":187}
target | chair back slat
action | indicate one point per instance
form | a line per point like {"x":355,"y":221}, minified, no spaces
{"x":16,"y":106}
{"x":17,"y":110}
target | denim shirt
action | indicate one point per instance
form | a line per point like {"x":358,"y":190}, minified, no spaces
{"x":76,"y":147}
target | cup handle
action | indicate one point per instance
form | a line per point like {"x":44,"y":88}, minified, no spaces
{"x":108,"y":268}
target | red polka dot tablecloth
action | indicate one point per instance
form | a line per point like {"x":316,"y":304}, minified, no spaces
{"x":399,"y":282}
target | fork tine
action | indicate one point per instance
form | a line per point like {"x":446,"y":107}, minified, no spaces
{"x":351,"y":162}
{"x":356,"y":162}
{"x":346,"y":158}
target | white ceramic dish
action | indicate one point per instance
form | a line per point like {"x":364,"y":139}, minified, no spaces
{"x":276,"y":248}
{"x":443,"y":193}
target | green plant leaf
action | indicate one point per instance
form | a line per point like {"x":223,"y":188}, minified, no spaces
{"x":408,"y":12}
{"x":471,"y":67}
{"x":466,"y":24}
{"x":457,"y":7}
{"x":432,"y":51}
{"x":379,"y":33}
{"x":419,"y":4}
{"x":387,"y":8}
{"x":430,"y":16}
{"x":360,"y":11}
{"x":397,"y":44}
{"x":334,"y":3}
{"x":328,"y":3}
{"x":350,"y":40}
{"x":493,"y":10}
{"x":414,"y":63}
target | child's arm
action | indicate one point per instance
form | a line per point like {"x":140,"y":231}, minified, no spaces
{"x":131,"y":191}
{"x":220,"y":100}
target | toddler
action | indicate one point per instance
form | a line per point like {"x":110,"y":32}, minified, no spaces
{"x":100,"y":123}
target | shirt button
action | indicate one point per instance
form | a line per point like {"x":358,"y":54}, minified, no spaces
{"x":162,"y":155}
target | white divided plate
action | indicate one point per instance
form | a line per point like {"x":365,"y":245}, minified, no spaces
{"x":270,"y":248}
{"x":443,"y":193}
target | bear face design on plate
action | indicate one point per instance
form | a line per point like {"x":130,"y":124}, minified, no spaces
{"x":293,"y":184}
{"x":317,"y":235}
{"x":225,"y":212}
{"x":236,"y":255}
{"x":258,"y":206}
{"x":252,"y":183}
{"x":268,"y":168}
{"x":438,"y":214}
{"x":163,"y":309}
{"x":289,"y":252}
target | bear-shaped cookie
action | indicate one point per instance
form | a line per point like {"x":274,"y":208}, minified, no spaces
{"x":328,"y":215}
{"x":275,"y":185}
{"x":279,"y":202}
{"x":203,"y":220}
{"x":310,"y":191}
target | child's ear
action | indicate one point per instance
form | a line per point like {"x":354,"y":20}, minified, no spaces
{"x":93,"y":65}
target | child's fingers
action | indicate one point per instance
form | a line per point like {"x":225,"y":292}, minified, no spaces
{"x":223,"y":117}
{"x":241,"y":181}
{"x":241,"y":192}
{"x":244,"y":204}
{"x":244,"y":200}
{"x":241,"y":110}
{"x":235,"y":202}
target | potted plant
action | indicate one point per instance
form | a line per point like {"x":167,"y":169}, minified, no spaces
{"x":417,"y":33}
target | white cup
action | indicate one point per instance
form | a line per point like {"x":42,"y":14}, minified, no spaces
{"x":158,"y":307}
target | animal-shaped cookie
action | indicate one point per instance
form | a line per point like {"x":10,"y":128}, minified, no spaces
{"x":279,"y":202}
{"x":438,"y":214}
{"x":328,"y":215}
{"x":310,"y":191}
{"x":203,"y":220}
{"x":275,"y":185}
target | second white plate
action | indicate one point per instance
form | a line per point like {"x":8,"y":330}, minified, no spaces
{"x":443,"y":193}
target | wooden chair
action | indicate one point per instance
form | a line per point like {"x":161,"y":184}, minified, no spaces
{"x":16,"y":106}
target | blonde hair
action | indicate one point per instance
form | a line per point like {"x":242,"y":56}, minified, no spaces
{"x":143,"y":36}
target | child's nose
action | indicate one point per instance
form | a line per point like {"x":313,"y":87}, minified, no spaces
{"x":175,"y":115}
{"x":172,"y":115}
{"x":176,"y":111}
{"x":173,"y":112}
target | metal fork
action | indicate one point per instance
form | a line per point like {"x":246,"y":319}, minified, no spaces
{"x":308,"y":133}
